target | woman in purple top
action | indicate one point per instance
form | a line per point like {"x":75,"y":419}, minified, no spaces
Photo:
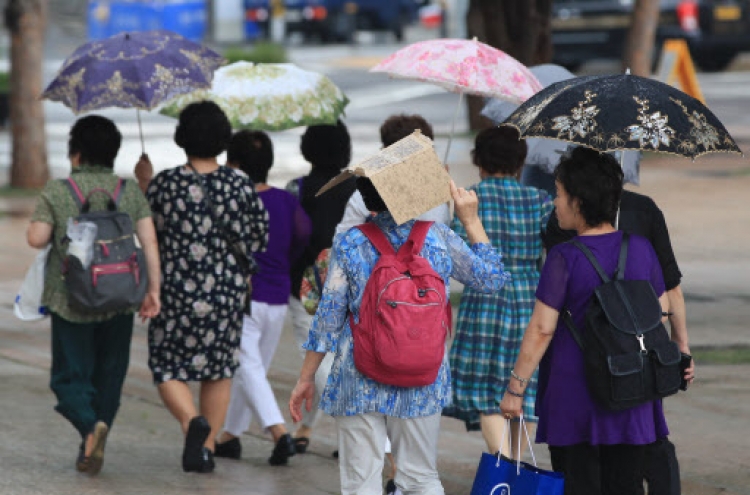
{"x":600,"y":451}
{"x":288,"y":235}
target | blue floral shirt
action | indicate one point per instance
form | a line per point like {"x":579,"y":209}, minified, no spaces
{"x":348,"y":392}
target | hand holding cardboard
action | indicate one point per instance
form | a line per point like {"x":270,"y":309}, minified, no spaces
{"x":408,"y":175}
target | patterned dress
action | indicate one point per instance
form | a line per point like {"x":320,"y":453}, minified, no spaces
{"x":490,"y":326}
{"x":197,"y":334}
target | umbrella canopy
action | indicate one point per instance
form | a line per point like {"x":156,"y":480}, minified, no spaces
{"x":623,"y":112}
{"x":463,"y":66}
{"x":498,"y":110}
{"x":132,"y":70}
{"x":270,"y":97}
{"x":545,"y":153}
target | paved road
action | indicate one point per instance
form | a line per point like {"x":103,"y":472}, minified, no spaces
{"x":373,"y":98}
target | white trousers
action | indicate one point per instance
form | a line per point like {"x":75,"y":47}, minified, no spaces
{"x":252,"y":395}
{"x":361,"y":453}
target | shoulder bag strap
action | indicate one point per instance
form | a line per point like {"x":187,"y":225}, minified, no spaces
{"x":622,"y":263}
{"x":565,"y":315}
{"x":568,"y":320}
{"x":238,"y":255}
{"x":377,"y":238}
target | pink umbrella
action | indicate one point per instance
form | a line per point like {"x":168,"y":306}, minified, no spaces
{"x":463,"y":66}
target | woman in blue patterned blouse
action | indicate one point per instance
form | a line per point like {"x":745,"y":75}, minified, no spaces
{"x":366,"y":411}
{"x":490,"y":326}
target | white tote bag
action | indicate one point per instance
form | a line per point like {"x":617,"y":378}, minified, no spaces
{"x":28,"y":303}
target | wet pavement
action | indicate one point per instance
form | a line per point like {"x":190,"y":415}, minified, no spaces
{"x":707,"y":209}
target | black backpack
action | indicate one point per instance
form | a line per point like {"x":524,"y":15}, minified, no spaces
{"x":628,"y":354}
{"x":116,"y":279}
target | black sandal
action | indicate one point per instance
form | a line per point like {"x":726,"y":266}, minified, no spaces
{"x":301,"y":444}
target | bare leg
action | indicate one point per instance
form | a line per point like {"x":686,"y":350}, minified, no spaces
{"x":303,"y":431}
{"x":278,"y":431}
{"x":178,"y":398}
{"x":516,"y":431}
{"x":214,"y":401}
{"x":492,"y":431}
{"x":392,"y":463}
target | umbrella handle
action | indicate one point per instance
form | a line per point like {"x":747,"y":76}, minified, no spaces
{"x":453,"y":128}
{"x":140,"y":129}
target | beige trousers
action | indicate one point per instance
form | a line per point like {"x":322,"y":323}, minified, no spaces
{"x":362,"y":441}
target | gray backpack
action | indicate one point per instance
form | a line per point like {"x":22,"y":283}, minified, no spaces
{"x":115,"y":279}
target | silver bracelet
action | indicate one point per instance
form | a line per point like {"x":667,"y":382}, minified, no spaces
{"x":523,"y":381}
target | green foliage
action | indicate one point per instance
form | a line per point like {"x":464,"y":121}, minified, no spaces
{"x":262,"y":52}
{"x":4,"y":82}
{"x":17,"y":192}
{"x":721,"y":355}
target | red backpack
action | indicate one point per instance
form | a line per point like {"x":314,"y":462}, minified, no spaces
{"x":404,"y":315}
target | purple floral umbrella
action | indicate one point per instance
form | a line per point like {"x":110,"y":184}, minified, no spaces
{"x":132,"y":70}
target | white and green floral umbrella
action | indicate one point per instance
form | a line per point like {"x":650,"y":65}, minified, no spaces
{"x":270,"y":97}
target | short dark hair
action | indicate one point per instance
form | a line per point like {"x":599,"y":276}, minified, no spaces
{"x":203,"y":130}
{"x":370,"y":195}
{"x":327,"y":146}
{"x":397,"y":127}
{"x":252,"y":151}
{"x":96,"y":139}
{"x":595,"y":179}
{"x":499,"y":150}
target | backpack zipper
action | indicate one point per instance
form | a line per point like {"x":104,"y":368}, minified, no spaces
{"x":380,"y":295}
{"x":130,"y":266}
{"x":394,"y":304}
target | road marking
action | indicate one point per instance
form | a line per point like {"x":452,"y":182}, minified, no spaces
{"x":383,"y":94}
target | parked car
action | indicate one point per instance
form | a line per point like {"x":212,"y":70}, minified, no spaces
{"x":715,"y":30}
{"x":337,"y":20}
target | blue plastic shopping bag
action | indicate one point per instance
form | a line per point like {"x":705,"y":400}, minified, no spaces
{"x":498,"y":475}
{"x":505,"y":477}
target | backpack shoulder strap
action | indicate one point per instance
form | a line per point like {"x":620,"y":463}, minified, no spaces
{"x":592,"y":259}
{"x":621,"y":264}
{"x":415,"y":241}
{"x":377,"y":238}
{"x":568,"y":320}
{"x":75,"y":191}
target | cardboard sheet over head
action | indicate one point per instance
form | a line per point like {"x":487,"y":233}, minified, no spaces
{"x":408,"y":175}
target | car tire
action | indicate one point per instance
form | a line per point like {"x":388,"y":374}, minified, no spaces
{"x":714,"y":61}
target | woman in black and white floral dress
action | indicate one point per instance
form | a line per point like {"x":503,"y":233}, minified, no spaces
{"x":197,"y":335}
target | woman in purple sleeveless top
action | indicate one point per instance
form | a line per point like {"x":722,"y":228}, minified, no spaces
{"x":600,"y":451}
{"x":288,"y":234}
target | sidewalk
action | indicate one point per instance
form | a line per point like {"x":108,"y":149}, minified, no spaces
{"x":707,"y":209}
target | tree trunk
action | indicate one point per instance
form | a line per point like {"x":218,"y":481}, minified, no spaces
{"x":520,"y":28}
{"x":639,"y":48}
{"x":25,"y":20}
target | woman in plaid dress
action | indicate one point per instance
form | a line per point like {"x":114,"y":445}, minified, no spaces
{"x":490,"y":326}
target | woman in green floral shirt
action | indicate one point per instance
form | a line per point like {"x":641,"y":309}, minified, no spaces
{"x":90,"y":352}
